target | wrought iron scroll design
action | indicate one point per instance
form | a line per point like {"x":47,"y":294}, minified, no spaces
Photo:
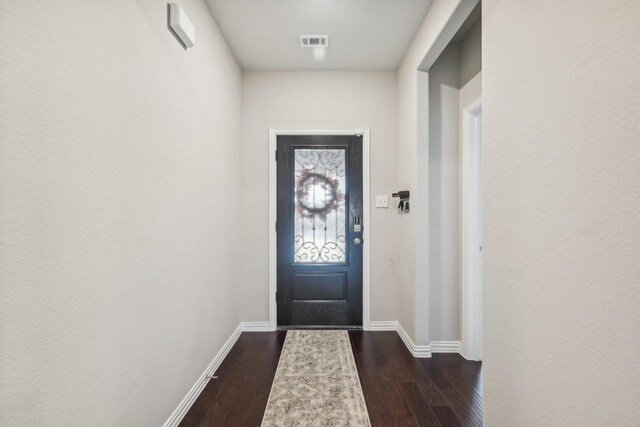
{"x":320,"y":222}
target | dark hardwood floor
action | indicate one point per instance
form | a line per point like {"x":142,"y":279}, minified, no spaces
{"x":444,"y":390}
{"x":400,"y":390}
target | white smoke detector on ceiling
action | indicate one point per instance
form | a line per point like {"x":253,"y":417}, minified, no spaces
{"x":317,"y":43}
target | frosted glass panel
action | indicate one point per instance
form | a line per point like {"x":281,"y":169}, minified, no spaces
{"x":320,"y":224}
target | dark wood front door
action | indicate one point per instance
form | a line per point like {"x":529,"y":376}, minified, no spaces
{"x":319,"y":230}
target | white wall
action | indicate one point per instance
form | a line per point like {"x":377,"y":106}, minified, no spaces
{"x":119,"y":161}
{"x":562,"y":202}
{"x":318,"y":100}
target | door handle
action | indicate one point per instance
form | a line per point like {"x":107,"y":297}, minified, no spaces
{"x":357,"y":241}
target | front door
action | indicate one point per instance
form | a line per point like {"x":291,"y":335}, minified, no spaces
{"x":320,"y":230}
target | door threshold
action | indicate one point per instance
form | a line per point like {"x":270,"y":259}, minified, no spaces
{"x":294,"y":327}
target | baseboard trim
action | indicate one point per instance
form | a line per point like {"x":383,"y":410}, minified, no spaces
{"x":255,"y":327}
{"x":192,"y":395}
{"x":446,"y":347}
{"x":394,"y":325}
{"x":417,"y":350}
{"x":385,"y":325}
{"x":182,"y":409}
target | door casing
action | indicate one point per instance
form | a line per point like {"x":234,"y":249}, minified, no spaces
{"x":366,"y":202}
{"x":471,"y":227}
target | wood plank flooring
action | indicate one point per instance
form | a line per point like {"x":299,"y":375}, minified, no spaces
{"x":400,"y":390}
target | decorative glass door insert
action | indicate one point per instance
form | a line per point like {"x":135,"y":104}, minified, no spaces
{"x":320,"y":193}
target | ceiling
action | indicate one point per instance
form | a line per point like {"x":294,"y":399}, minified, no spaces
{"x":363,"y":34}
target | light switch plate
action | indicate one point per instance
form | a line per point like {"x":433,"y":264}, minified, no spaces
{"x":382,"y":201}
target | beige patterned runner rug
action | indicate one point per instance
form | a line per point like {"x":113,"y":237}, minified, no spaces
{"x":316,"y":383}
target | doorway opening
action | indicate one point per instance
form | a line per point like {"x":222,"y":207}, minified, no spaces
{"x":454,"y":190}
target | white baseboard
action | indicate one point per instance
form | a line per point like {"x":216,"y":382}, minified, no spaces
{"x":385,"y":325}
{"x":192,"y":395}
{"x":417,"y":350}
{"x":446,"y":347}
{"x":394,"y":325}
{"x":255,"y":326}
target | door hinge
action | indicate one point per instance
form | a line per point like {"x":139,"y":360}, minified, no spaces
{"x":276,"y":155}
{"x":276,"y":226}
{"x":276,"y":296}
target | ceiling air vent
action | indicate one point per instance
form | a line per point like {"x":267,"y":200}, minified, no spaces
{"x":314,"y":41}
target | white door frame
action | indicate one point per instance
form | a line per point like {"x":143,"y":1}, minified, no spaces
{"x":273,"y":215}
{"x":472,"y":230}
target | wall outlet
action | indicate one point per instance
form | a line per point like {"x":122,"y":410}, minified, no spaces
{"x":382,"y":202}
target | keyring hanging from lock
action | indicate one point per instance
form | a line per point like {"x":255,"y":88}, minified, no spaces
{"x":403,"y":206}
